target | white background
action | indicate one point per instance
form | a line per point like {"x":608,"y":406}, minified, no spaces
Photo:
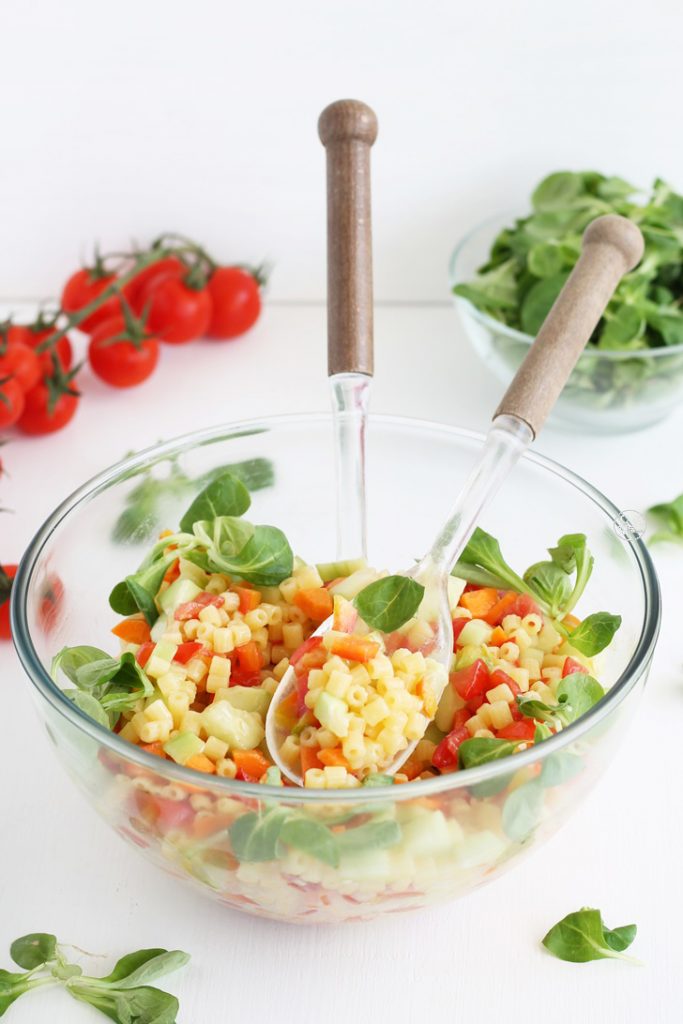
{"x":130,"y":119}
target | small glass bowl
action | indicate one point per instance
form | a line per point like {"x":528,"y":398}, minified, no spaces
{"x":368,"y":851}
{"x":608,"y":391}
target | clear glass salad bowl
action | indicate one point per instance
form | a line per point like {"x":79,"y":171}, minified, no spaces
{"x":608,"y":391}
{"x":405,"y":846}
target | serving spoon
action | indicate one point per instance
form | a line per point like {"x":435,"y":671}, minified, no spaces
{"x":612,"y":246}
{"x":347,"y":130}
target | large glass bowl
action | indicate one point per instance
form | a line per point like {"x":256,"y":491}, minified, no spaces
{"x":406,"y":847}
{"x":608,"y":391}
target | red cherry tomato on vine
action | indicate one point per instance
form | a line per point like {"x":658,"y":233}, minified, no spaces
{"x":81,"y":288}
{"x":121,"y":363}
{"x":21,"y":362}
{"x":18,"y":333}
{"x":236,"y":302}
{"x":7,"y":572}
{"x":62,"y":350}
{"x":12,"y":402}
{"x":39,"y":418}
{"x":177,"y":313}
{"x":137,"y":289}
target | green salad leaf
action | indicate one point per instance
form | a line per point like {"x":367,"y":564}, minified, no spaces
{"x":311,"y":837}
{"x":576,"y":694}
{"x":522,"y":811}
{"x":670,"y":516}
{"x":105,"y":686}
{"x":225,"y":495}
{"x":266,"y":559}
{"x":481,"y":750}
{"x":389,"y":602}
{"x":123,"y":995}
{"x":595,"y":633}
{"x":483,"y":552}
{"x":583,"y":936}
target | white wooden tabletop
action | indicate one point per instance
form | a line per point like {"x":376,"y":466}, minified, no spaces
{"x":63,"y":870}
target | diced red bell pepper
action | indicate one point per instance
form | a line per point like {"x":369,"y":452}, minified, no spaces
{"x":500,"y":678}
{"x":173,"y":572}
{"x":472,"y":681}
{"x":306,"y":646}
{"x":522,"y":730}
{"x":354,"y":648}
{"x":524,"y":605}
{"x":301,"y":691}
{"x":248,"y":657}
{"x":571,"y":665}
{"x":446,"y":753}
{"x":187,"y":650}
{"x":458,"y":626}
{"x":461,"y":716}
{"x":142,"y":655}
{"x":474,"y":703}
{"x":245,"y":776}
{"x":191,"y":609}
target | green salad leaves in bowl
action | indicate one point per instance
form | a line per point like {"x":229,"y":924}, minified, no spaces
{"x":507,"y":273}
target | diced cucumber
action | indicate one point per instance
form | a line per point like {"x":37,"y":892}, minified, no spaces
{"x":180,"y":592}
{"x":190,"y":571}
{"x":165,"y":650}
{"x":476,"y":632}
{"x":427,"y":834}
{"x":248,"y":698}
{"x":370,"y":865}
{"x":160,"y":627}
{"x":333,"y":570}
{"x":467,"y":656}
{"x":242,"y":730}
{"x":183,"y":746}
{"x":480,"y":849}
{"x":356,"y":582}
{"x":333,"y":713}
{"x":456,"y":587}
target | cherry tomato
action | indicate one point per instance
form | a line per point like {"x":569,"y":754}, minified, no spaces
{"x":51,"y":599}
{"x":121,"y":363}
{"x":80,"y":290}
{"x":7,"y":574}
{"x":137,"y":289}
{"x":18,"y":332}
{"x":38,"y":418}
{"x":177,"y":313}
{"x":12,"y":401}
{"x":62,"y":350}
{"x":21,"y":362}
{"x":236,"y":302}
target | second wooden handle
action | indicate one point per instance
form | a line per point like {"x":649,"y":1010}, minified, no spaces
{"x":612,"y":246}
{"x":348,"y":129}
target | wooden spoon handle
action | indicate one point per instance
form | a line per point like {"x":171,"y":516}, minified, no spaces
{"x":347,"y":130}
{"x":612,"y":246}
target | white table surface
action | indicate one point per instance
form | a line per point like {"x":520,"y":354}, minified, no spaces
{"x":64,"y":871}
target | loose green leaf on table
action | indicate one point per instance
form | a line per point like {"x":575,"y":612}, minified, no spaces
{"x":583,"y":936}
{"x":34,"y":950}
{"x":388,"y":603}
{"x":670,"y":517}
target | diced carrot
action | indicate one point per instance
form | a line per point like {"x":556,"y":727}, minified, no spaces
{"x":479,"y":602}
{"x":142,"y":655}
{"x":165,"y":533}
{"x":201,"y":763}
{"x":316,"y":602}
{"x":248,"y":657}
{"x":287,"y":706}
{"x":333,"y":757}
{"x":571,"y":621}
{"x":252,"y":762}
{"x":173,"y":572}
{"x":207,"y":824}
{"x":310,"y":759}
{"x":306,"y":646}
{"x":249,"y":598}
{"x":132,"y":631}
{"x":501,"y":608}
{"x":498,"y":637}
{"x":354,"y":648}
{"x":411,"y":768}
{"x":154,"y":748}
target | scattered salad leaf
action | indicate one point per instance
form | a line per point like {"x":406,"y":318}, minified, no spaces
{"x":226,"y":495}
{"x":669,"y":514}
{"x":31,"y":951}
{"x":583,"y":936}
{"x":595,"y":633}
{"x":123,"y":995}
{"x":389,"y":602}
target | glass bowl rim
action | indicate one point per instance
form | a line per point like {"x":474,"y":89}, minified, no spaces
{"x":132,"y":465}
{"x":512,"y":333}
